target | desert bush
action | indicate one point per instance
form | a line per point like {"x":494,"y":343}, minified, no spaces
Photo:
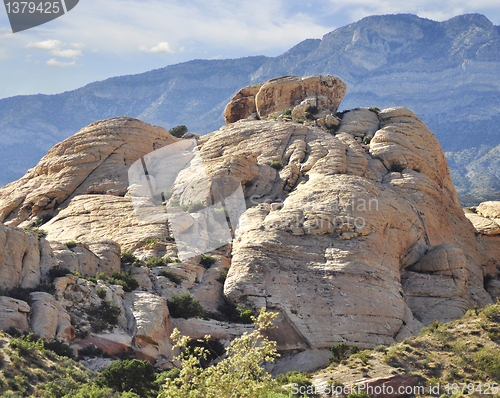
{"x":18,"y":293}
{"x":297,"y":381}
{"x":91,"y":351}
{"x":287,"y":112}
{"x":212,"y":348}
{"x":101,"y":292}
{"x":40,"y":233}
{"x":276,"y":165}
{"x":101,"y":276}
{"x":207,"y":260}
{"x":185,"y":306}
{"x":60,"y":348}
{"x":70,"y":245}
{"x":193,"y":207}
{"x":151,"y":241}
{"x":339,"y":352}
{"x":41,"y":220}
{"x":27,"y":345}
{"x":154,"y":261}
{"x":178,"y":131}
{"x":240,"y":374}
{"x":170,"y":275}
{"x":128,"y":257}
{"x":130,"y":375}
{"x":223,"y":275}
{"x":105,"y":316}
{"x":127,"y":281}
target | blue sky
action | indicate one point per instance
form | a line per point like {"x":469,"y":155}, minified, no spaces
{"x":101,"y":39}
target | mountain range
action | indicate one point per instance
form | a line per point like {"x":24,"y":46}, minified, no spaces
{"x":446,"y":72}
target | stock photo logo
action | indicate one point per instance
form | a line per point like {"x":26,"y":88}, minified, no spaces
{"x":28,"y":14}
{"x":170,"y":186}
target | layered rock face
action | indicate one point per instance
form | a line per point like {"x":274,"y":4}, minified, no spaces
{"x":353,"y":231}
{"x":351,"y":242}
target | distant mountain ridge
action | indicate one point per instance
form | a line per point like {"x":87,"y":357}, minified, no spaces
{"x":446,"y":72}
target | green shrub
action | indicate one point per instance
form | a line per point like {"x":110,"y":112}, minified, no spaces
{"x":168,"y":274}
{"x":358,"y":394}
{"x":363,"y":355}
{"x":27,"y":345}
{"x":207,"y":260}
{"x":245,"y":316}
{"x":105,"y":316}
{"x":101,"y":276}
{"x":174,"y":203}
{"x":154,"y":261}
{"x":276,"y":165}
{"x":193,"y":207}
{"x":90,"y":351}
{"x":60,"y":348}
{"x":298,"y":381}
{"x":128,"y":257}
{"x":185,"y":306}
{"x":101,"y":292}
{"x":70,"y":245}
{"x":127,"y":281}
{"x":40,"y":233}
{"x":41,"y":220}
{"x":367,"y":139}
{"x":130,"y":375}
{"x":223,"y":275}
{"x":178,"y":131}
{"x":212,"y":348}
{"x":339,"y":352}
{"x":287,"y":112}
{"x":151,"y":241}
{"x":19,"y":293}
{"x":375,"y":109}
{"x":239,"y":374}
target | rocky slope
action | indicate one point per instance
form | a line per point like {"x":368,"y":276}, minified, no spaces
{"x":446,"y":72}
{"x":353,"y":233}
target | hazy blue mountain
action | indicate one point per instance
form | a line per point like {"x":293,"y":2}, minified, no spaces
{"x":448,"y":73}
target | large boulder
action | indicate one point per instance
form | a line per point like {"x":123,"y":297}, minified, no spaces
{"x":149,"y":323}
{"x":24,"y":258}
{"x":321,"y":92}
{"x":49,"y":319}
{"x":346,"y":227}
{"x":13,"y":313}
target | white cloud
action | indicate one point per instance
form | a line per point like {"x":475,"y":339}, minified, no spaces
{"x":73,"y":54}
{"x":77,"y":45}
{"x":59,"y":64}
{"x":44,"y":45}
{"x":162,"y":47}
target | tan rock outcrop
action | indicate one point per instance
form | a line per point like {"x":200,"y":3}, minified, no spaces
{"x":350,"y":240}
{"x":355,"y":219}
{"x":49,"y":319}
{"x":483,"y":225}
{"x":93,"y":161}
{"x":148,"y":320}
{"x":489,"y":209}
{"x":322,"y":92}
{"x":14,"y":313}
{"x":23,"y":258}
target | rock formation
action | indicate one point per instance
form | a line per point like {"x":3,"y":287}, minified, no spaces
{"x":353,"y":230}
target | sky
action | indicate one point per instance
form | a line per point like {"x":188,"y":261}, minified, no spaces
{"x":100,"y":39}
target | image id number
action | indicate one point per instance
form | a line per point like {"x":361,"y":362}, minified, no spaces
{"x":24,"y":7}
